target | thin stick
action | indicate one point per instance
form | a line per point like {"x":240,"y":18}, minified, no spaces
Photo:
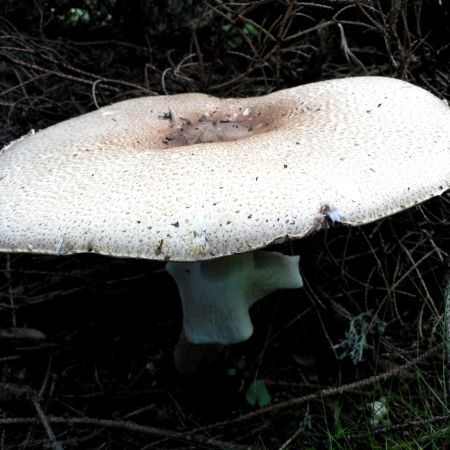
{"x":129,"y":426}
{"x":15,"y":392}
{"x":337,"y":390}
{"x":447,"y":334}
{"x":10,"y":290}
{"x":53,"y":443}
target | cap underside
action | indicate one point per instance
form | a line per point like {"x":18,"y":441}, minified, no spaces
{"x":191,"y":177}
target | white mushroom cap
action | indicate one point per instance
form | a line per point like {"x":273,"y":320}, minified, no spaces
{"x":122,"y":181}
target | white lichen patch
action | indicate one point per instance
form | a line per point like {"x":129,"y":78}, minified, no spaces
{"x":378,"y":412}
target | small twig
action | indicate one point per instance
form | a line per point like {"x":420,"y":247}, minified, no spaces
{"x":289,"y":441}
{"x":201,"y":65}
{"x":78,"y":79}
{"x":54,"y":444}
{"x":337,"y":390}
{"x":415,"y":267}
{"x":94,"y":97}
{"x":447,"y":335}
{"x":10,"y":290}
{"x":163,"y":78}
{"x":14,"y":392}
{"x":130,"y":426}
{"x":408,"y":426}
{"x":349,"y":55}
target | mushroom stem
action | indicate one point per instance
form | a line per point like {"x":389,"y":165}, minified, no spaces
{"x":217,"y":294}
{"x":189,"y":357}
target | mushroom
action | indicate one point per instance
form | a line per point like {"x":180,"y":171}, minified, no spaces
{"x":216,"y":296}
{"x":204,"y":183}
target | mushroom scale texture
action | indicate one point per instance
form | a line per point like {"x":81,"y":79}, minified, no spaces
{"x":190,"y":178}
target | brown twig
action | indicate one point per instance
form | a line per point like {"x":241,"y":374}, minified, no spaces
{"x":338,"y":390}
{"x":13,"y":392}
{"x":129,"y":426}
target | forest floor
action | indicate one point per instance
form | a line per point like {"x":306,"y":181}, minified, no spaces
{"x":86,"y":341}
